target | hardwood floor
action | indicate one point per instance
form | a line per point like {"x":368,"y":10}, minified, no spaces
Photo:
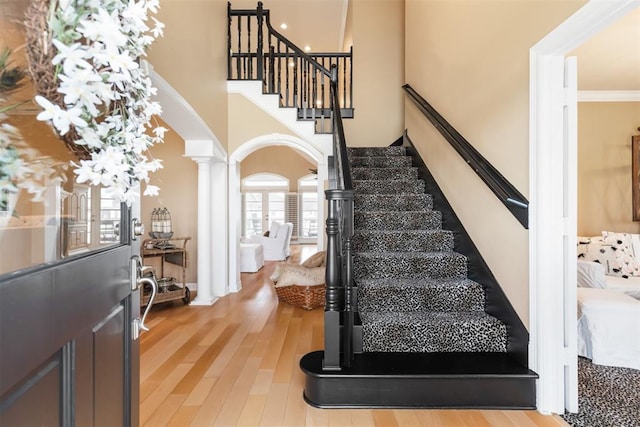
{"x":236,"y":364}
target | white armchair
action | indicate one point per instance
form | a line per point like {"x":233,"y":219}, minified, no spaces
{"x":276,"y":244}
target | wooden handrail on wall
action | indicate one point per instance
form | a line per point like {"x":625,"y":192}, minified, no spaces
{"x":513,"y":200}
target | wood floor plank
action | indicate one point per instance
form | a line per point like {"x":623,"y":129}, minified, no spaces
{"x":273,"y":412}
{"x":384,"y":418}
{"x":200,"y":392}
{"x":166,"y":411}
{"x":235,"y":401}
{"x":252,"y":411}
{"x":183,"y":416}
{"x":237,"y":363}
{"x":156,"y":399}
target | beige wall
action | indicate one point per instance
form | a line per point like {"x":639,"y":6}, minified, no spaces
{"x":178,"y":182}
{"x":279,"y":160}
{"x":246,"y":121}
{"x":378,"y":72}
{"x":192,"y":57}
{"x":604,"y":166}
{"x":470,"y":60}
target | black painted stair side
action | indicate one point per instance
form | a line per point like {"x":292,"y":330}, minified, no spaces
{"x":421,"y":380}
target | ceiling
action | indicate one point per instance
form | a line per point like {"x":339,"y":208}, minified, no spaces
{"x":317,"y":23}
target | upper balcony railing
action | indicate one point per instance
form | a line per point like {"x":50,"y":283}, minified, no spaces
{"x":258,"y":52}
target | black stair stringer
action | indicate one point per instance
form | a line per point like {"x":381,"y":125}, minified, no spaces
{"x":497,"y":303}
{"x":421,"y":380}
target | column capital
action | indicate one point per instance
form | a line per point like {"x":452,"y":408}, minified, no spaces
{"x":202,"y":159}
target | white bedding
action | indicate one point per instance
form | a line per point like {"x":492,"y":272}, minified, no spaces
{"x":630,"y":286}
{"x":591,"y":275}
{"x":609,"y":327}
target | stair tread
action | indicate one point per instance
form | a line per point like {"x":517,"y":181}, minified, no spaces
{"x":404,"y":254}
{"x":415,"y":282}
{"x":424,"y":317}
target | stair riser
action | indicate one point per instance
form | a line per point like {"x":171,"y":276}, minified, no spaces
{"x":376,"y":151}
{"x":436,"y":337}
{"x":384,"y":173}
{"x":462,"y":297}
{"x":406,"y":202}
{"x":403,"y":241}
{"x":381,"y":162}
{"x":427,"y":220}
{"x":439,"y":265}
{"x":388,"y":187}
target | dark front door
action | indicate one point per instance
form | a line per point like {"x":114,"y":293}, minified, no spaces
{"x":68,"y":354}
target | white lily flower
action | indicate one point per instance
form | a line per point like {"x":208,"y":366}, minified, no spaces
{"x":71,"y":57}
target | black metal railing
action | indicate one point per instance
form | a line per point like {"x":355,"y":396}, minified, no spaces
{"x":319,"y":85}
{"x":285,"y":69}
{"x":508,"y":194}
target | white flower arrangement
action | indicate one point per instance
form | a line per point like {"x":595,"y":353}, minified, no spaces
{"x":105,"y":95}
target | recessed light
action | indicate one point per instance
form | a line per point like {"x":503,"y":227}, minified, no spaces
{"x":283,"y":26}
{"x":292,"y":64}
{"x":307,"y":48}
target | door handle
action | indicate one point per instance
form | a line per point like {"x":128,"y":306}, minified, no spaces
{"x":154,"y":291}
{"x":142,"y":275}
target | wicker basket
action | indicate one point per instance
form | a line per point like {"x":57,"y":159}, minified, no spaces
{"x":306,"y":297}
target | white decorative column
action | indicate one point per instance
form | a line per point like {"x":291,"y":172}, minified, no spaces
{"x":235,"y":211}
{"x":205,"y":292}
{"x":219,"y":227}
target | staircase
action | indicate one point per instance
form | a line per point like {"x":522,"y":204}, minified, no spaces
{"x":409,"y":322}
{"x":426,"y":340}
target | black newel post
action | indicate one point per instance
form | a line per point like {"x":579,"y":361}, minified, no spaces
{"x":334,"y":292}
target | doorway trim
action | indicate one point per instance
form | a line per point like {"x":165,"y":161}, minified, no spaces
{"x":547,"y":167}
{"x":235,"y":201}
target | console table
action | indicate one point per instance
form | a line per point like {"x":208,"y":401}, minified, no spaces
{"x":173,"y":251}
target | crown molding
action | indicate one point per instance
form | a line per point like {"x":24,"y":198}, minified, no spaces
{"x":609,"y":96}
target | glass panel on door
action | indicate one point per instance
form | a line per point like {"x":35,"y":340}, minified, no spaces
{"x":252,"y":214}
{"x":44,"y":214}
{"x":276,"y":204}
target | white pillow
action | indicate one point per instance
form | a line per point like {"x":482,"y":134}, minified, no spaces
{"x":591,"y":275}
{"x":613,"y":250}
{"x":626,"y":264}
{"x":293,"y":274}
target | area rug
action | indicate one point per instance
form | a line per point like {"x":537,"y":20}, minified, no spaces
{"x":607,"y":396}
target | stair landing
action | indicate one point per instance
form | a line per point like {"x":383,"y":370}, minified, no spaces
{"x":421,"y":380}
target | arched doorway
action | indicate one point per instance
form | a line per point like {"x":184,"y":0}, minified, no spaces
{"x":235,"y":201}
